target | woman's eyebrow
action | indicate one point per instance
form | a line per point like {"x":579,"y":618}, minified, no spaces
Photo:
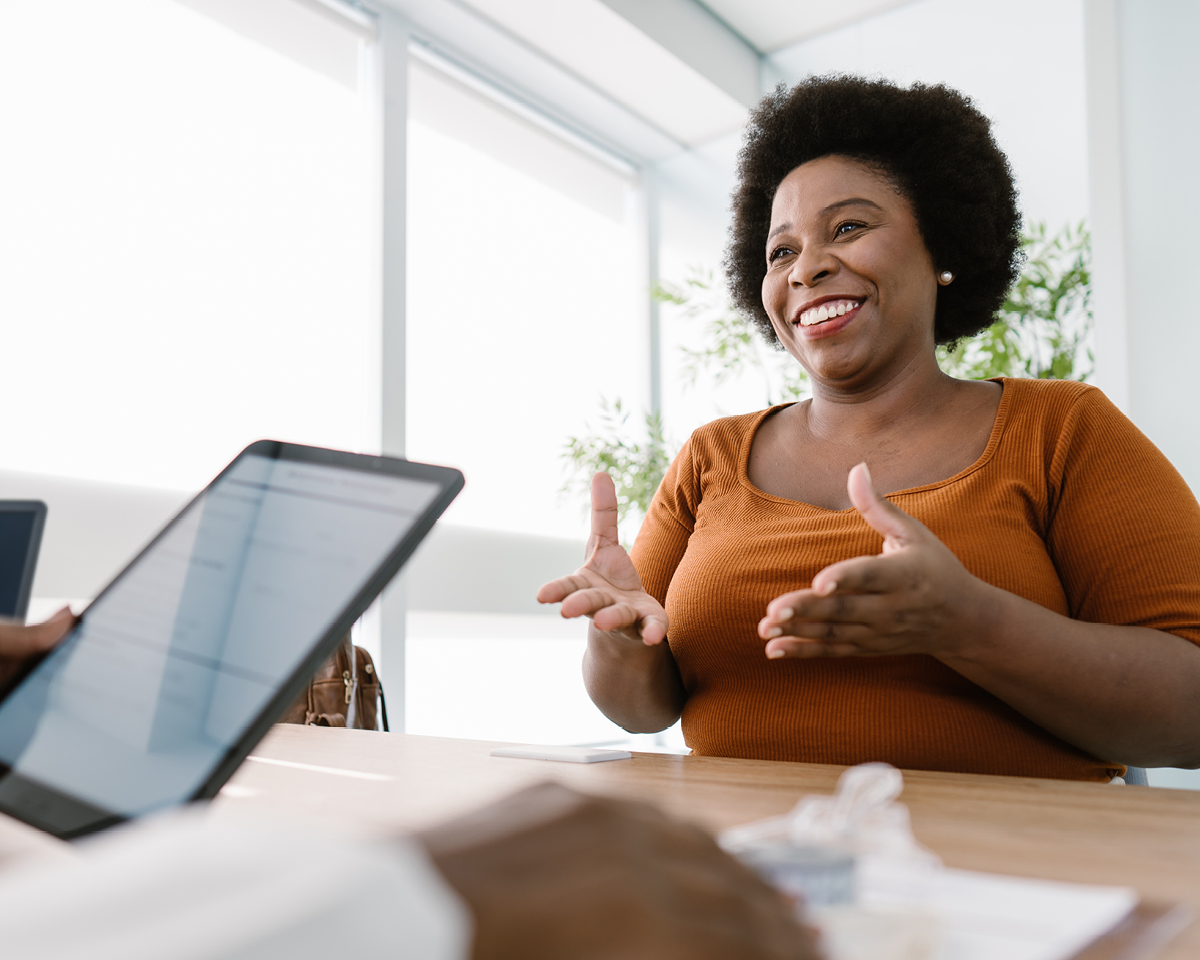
{"x":849,"y":202}
{"x":852,"y":202}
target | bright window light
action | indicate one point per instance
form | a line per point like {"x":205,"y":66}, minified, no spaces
{"x":186,"y":244}
{"x":524,"y":304}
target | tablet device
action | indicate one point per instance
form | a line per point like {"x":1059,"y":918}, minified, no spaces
{"x":21,"y":524}
{"x":179,"y":666}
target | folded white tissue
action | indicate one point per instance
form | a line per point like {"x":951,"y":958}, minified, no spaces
{"x":877,"y":894}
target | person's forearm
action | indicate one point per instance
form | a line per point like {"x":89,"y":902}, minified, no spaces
{"x":1127,"y":694}
{"x":634,"y":685}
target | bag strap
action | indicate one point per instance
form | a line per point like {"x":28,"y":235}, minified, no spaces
{"x":347,"y":664}
{"x":367,"y":665}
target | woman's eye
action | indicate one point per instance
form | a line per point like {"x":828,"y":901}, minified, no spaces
{"x":845,"y":228}
{"x":777,"y":253}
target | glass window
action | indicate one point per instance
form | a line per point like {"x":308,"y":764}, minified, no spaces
{"x":526,"y":305}
{"x":185,"y":236}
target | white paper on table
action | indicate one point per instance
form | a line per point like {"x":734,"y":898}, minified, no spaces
{"x":985,"y":916}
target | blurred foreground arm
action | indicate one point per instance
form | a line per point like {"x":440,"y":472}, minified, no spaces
{"x":551,"y":873}
{"x":546,"y":873}
{"x":191,"y":886}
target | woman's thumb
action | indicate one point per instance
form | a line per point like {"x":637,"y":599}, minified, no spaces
{"x":881,"y":514}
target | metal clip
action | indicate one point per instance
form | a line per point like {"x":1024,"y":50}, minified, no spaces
{"x":349,"y":685}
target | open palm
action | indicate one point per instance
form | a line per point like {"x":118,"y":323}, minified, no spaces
{"x":607,"y":587}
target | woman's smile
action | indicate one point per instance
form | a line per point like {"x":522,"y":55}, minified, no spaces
{"x":826,"y":316}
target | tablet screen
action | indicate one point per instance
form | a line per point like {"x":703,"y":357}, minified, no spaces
{"x":174,"y":661}
{"x":16,"y":530}
{"x":21,"y":524}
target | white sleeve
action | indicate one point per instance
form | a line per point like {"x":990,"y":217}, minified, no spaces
{"x":184,"y":887}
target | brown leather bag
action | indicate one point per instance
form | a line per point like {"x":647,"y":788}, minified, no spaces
{"x":344,"y":692}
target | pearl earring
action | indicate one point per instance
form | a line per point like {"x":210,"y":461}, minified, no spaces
{"x":945,"y":276}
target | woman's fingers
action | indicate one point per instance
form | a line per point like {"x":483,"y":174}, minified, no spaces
{"x":881,"y":574}
{"x":609,"y":609}
{"x":820,"y":639}
{"x":859,"y":585}
{"x":553,"y":592}
{"x":653,"y":630}
{"x":558,"y":590}
{"x":806,"y":649}
{"x":614,"y":614}
{"x":841,"y":608}
{"x":587,"y":602}
{"x":625,"y":616}
{"x":883,"y":516}
{"x":604,"y":512}
{"x":607,"y":587}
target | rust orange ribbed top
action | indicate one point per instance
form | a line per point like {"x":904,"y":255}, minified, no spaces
{"x":1069,"y":506}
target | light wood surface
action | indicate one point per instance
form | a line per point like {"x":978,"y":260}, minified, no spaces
{"x":1147,"y":838}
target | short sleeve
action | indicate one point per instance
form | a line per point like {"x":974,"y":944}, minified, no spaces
{"x":1124,"y":530}
{"x":186,"y":885}
{"x":663,"y":537}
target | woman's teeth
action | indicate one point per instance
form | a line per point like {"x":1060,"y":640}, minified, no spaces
{"x":834,"y":308}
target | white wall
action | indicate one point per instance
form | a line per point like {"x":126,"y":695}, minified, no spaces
{"x":1143,"y":84}
{"x":1021,"y":61}
{"x":1160,"y":141}
{"x":1023,"y":64}
{"x":93,"y":529}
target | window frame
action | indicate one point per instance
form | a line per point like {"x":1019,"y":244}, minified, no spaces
{"x":397,"y":38}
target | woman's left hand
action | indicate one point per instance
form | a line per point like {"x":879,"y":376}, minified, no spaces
{"x":915,"y":597}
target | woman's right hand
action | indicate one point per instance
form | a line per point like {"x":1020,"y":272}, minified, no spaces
{"x":607,"y":587}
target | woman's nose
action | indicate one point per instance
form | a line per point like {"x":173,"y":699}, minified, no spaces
{"x":814,"y":263}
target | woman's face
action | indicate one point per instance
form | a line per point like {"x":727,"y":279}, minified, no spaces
{"x":850,"y":287}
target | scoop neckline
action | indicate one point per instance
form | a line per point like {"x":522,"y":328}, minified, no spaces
{"x":988,"y":451}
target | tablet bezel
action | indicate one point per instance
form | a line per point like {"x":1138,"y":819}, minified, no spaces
{"x":60,"y":813}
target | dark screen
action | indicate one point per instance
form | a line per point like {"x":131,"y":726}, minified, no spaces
{"x":15,"y":530}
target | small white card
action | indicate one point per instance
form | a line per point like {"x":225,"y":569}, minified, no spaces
{"x":565,"y":754}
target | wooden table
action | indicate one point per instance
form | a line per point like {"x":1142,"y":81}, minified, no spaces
{"x":1147,"y":838}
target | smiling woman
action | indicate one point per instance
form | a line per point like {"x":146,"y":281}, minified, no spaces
{"x":1025,"y":600}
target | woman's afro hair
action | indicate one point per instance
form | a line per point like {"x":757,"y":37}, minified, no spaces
{"x":934,"y":147}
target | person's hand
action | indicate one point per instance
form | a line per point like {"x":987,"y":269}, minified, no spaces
{"x":607,"y":587}
{"x":551,"y":873}
{"x":915,"y":597}
{"x":19,"y":642}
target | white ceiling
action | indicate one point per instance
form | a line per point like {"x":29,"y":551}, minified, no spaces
{"x":645,"y":78}
{"x":771,"y":25}
{"x":596,"y":43}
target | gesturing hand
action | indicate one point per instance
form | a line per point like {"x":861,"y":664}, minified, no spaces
{"x":607,"y":587}
{"x":915,"y":597}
